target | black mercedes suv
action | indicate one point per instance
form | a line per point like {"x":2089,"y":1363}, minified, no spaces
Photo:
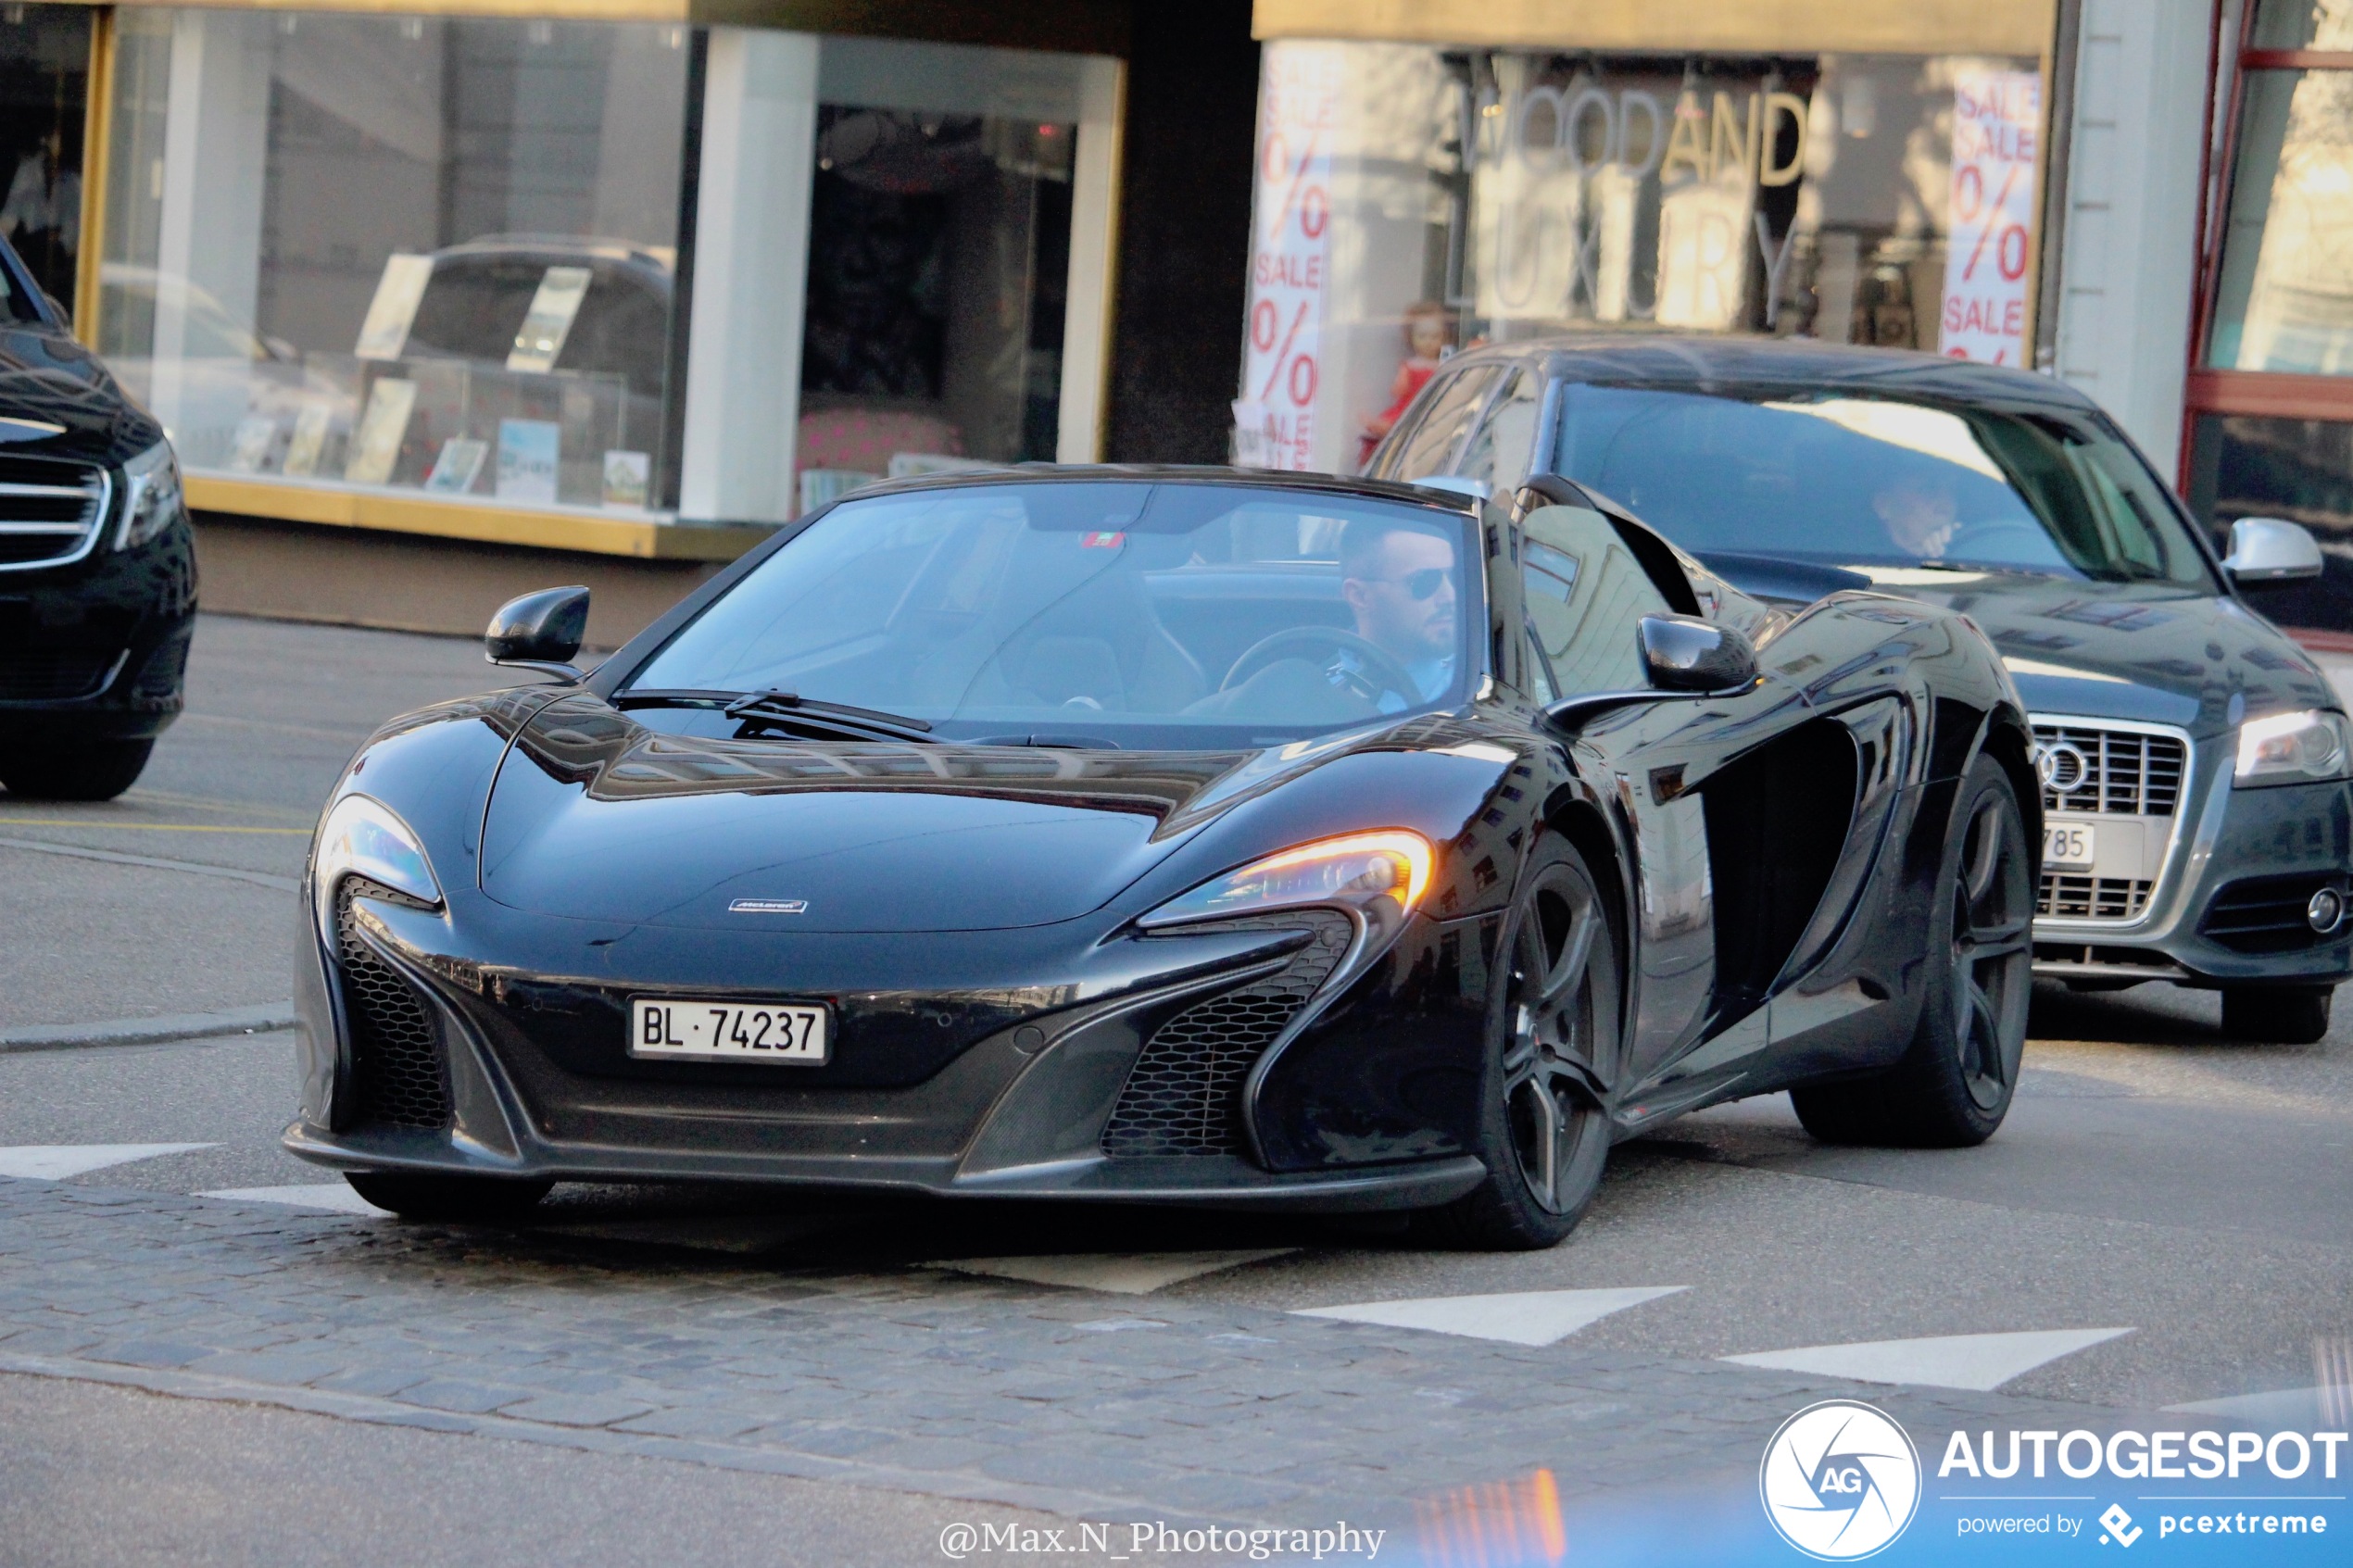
{"x":97,"y":569}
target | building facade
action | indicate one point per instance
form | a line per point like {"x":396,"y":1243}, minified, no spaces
{"x":448,"y":301}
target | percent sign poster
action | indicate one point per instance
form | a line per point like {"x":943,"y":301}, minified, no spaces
{"x":1275,"y":417}
{"x":1996,"y":120}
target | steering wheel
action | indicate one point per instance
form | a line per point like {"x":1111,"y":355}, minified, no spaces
{"x":1380,"y":673}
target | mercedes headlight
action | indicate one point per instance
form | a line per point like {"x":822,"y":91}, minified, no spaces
{"x":151,"y":496}
{"x":1380,"y":875}
{"x":362,"y":837}
{"x":2294,"y":749}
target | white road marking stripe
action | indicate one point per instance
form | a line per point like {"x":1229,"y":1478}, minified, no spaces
{"x":55,"y":1161}
{"x":1517,"y":1317}
{"x":1121,"y":1273}
{"x":336,"y":1195}
{"x":1982,"y":1363}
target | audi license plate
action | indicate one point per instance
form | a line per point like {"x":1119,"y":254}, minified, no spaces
{"x":681,"y":1028}
{"x":2068,"y":843}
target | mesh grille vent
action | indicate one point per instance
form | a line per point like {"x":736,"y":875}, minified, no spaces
{"x":402,"y":1079}
{"x":1183,"y":1096}
{"x":2125,"y":772}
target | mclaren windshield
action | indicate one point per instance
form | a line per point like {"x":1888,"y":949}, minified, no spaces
{"x":1166,"y":614}
{"x":1879,"y":484}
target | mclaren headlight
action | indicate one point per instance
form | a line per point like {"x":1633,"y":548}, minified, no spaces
{"x":362,"y":837}
{"x":2307,"y":748}
{"x":151,"y":496}
{"x":1380,"y":875}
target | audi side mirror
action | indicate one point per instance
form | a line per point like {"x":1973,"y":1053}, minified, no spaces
{"x":2266,"y":549}
{"x":539,"y":631}
{"x":1682,"y":652}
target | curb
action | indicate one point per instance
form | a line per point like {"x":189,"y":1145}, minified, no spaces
{"x":149,"y":1031}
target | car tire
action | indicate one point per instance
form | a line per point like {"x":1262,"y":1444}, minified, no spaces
{"x":2276,"y":1015}
{"x":414,"y":1196}
{"x":1955,"y":1082}
{"x":1551,"y":1037}
{"x":91,"y":769}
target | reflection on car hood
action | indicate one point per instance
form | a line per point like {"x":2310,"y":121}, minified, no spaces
{"x":2121,"y":650}
{"x":596,"y":816}
{"x":47,"y":376}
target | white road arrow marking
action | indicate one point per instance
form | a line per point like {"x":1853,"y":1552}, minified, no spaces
{"x":55,"y":1161}
{"x":1121,"y":1273}
{"x":1979,"y":1362}
{"x":1518,"y":1317}
{"x":336,"y":1195}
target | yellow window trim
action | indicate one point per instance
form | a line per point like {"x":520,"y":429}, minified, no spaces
{"x":583,"y":532}
{"x":1088,"y":26}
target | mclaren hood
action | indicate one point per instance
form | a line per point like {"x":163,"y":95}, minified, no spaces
{"x":595,"y":816}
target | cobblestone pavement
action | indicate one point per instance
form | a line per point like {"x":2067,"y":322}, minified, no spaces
{"x":917,"y":1380}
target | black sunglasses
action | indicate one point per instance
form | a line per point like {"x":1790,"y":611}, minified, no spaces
{"x":1423,"y":583}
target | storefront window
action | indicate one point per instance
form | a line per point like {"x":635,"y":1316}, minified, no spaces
{"x":414,"y":253}
{"x":2285,"y":299}
{"x":44,"y":79}
{"x":1411,"y":199}
{"x":939,"y":261}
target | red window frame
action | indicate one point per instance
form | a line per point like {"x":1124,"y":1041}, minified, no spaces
{"x":2262,"y":393}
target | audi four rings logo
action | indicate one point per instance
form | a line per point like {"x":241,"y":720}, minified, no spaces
{"x":1840,"y":1480}
{"x":2062,"y":767}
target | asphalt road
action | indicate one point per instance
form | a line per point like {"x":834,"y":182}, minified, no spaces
{"x":2194,"y":1194}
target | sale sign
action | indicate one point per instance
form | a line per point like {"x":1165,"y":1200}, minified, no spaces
{"x":1997,"y":117}
{"x":1274,"y":418}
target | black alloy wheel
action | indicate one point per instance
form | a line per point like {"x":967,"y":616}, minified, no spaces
{"x":1955,"y":1082}
{"x":1552,"y":1041}
{"x":417,"y":1196}
{"x":1993,"y":957}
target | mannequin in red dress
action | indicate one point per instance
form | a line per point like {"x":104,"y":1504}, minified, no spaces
{"x":1429,"y":332}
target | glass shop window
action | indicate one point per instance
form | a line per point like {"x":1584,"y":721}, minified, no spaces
{"x":44,"y":84}
{"x":417,"y":254}
{"x":2283,"y":299}
{"x":938,"y":263}
{"x":1411,"y":201}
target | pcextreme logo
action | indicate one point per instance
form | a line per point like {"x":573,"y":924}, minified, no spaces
{"x":1841,"y":1480}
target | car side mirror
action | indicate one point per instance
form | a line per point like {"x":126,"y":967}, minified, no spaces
{"x":1682,"y":652}
{"x":1684,"y":656}
{"x":539,"y":631}
{"x":2265,"y":550}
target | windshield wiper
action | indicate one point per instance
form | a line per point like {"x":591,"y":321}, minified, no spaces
{"x":791,"y":707}
{"x":783,"y":708}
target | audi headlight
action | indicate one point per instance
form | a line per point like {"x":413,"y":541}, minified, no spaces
{"x":362,"y":837}
{"x":151,"y":496}
{"x":2294,"y":749}
{"x":1381,"y":875}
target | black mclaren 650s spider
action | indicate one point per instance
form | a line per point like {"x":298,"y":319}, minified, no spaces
{"x":1175,"y":835}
